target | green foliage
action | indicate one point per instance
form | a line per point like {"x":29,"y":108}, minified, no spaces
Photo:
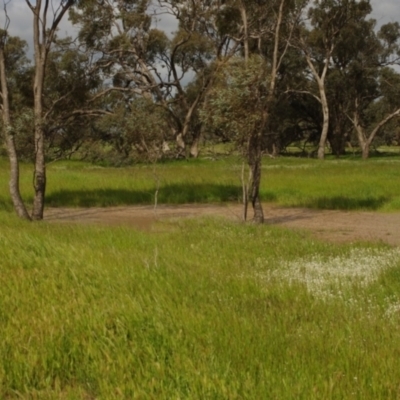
{"x":192,"y":50}
{"x":136,"y":129}
{"x":389,"y":87}
{"x":157,"y":43}
{"x":389,"y":34}
{"x":235,"y":105}
{"x":331,"y":18}
{"x":95,"y":21}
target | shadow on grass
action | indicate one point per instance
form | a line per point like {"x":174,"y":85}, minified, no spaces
{"x":347,"y":203}
{"x":6,"y":205}
{"x":171,"y":194}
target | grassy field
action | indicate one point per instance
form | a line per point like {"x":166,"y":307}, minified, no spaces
{"x":200,"y":309}
{"x":350,"y":184}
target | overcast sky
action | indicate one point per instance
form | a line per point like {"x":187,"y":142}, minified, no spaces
{"x":21,"y":17}
{"x":386,"y":11}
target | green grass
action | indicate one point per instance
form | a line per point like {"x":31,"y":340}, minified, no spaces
{"x":334,"y":184}
{"x":349,"y":184}
{"x":199,"y":310}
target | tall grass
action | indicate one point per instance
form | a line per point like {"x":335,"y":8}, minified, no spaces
{"x":332,"y":184}
{"x":196,"y":310}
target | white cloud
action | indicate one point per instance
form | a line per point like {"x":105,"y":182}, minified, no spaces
{"x":385,"y":11}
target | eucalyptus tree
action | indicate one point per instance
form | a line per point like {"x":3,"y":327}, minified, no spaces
{"x":318,"y":39}
{"x":142,"y":60}
{"x":199,"y":49}
{"x":263,"y":30}
{"x":339,"y":102}
{"x":69,"y":105}
{"x":46,"y":17}
{"x":13,"y":63}
{"x":235,"y":106}
{"x":376,"y":107}
{"x":373,"y":86}
{"x":355,"y":34}
{"x":60,"y":81}
{"x":135,"y":129}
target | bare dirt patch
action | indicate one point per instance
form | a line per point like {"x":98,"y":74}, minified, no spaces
{"x":336,"y":226}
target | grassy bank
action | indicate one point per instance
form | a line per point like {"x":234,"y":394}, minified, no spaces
{"x":199,"y":310}
{"x":332,"y":184}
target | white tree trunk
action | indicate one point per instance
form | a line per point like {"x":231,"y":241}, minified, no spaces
{"x":15,"y":194}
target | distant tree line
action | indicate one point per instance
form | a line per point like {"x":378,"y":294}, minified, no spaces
{"x":261,"y":74}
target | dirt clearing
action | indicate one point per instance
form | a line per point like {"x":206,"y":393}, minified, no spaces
{"x":336,"y":226}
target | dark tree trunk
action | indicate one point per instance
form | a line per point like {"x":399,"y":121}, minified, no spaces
{"x":337,"y":140}
{"x":180,"y":146}
{"x":39,"y":181}
{"x":39,"y":177}
{"x":195,"y":146}
{"x":254,"y":154}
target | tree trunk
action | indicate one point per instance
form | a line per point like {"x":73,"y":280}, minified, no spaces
{"x":243,"y":15}
{"x":245,"y":192}
{"x":43,"y":36}
{"x":365,"y":148}
{"x":39,"y":180}
{"x":181,"y":145}
{"x":39,"y":175}
{"x":320,"y":79}
{"x":15,"y":194}
{"x":362,"y":138}
{"x":194,"y":148}
{"x":365,"y":140}
{"x":337,"y":141}
{"x":325,"y":124}
{"x":254,"y":161}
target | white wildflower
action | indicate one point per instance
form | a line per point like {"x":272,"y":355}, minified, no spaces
{"x":393,"y":310}
{"x":323,"y":276}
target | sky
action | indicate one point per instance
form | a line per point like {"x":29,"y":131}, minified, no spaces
{"x":385,"y":11}
{"x":21,"y":18}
